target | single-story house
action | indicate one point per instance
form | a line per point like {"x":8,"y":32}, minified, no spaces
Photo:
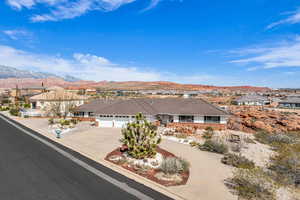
{"x":291,"y":102}
{"x":252,"y":100}
{"x":168,"y":111}
{"x":59,"y":100}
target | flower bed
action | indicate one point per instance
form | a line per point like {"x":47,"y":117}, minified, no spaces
{"x":152,"y":173}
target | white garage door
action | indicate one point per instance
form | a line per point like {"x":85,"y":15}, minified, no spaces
{"x":105,"y":121}
{"x":120,"y":122}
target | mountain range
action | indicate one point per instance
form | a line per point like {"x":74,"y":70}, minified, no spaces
{"x":11,"y":77}
{"x":11,"y":72}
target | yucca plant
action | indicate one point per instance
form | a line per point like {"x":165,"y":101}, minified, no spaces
{"x":141,"y":138}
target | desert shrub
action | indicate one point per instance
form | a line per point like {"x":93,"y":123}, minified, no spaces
{"x":236,"y":147}
{"x":4,"y":108}
{"x":141,"y":138}
{"x":181,"y":135}
{"x":214,"y":146}
{"x":237,"y":161}
{"x":173,"y":165}
{"x":286,"y":165}
{"x":27,"y":105}
{"x":273,"y":139}
{"x":51,"y":121}
{"x":74,"y":121}
{"x":253,"y":184}
{"x":65,"y":122}
{"x":208,"y":133}
{"x":249,"y":140}
{"x":193,"y":144}
{"x":14,"y":111}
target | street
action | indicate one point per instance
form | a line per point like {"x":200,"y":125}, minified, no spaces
{"x":31,"y":170}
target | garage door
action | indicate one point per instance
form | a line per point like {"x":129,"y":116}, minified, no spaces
{"x":120,"y":122}
{"x":105,"y":122}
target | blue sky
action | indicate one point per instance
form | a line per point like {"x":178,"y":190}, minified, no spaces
{"x":249,"y":42}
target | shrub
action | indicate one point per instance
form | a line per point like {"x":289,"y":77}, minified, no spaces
{"x":193,"y":144}
{"x":74,"y":121}
{"x":65,"y":122}
{"x":173,"y":165}
{"x":286,"y":165}
{"x":253,"y":184}
{"x":237,"y":161}
{"x":141,"y":138}
{"x":249,"y":140}
{"x":27,"y":105}
{"x":51,"y":121}
{"x":14,"y":111}
{"x":181,"y":136}
{"x":208,"y":133}
{"x":273,"y":139}
{"x":214,"y":146}
{"x":4,"y":108}
{"x":236,"y":147}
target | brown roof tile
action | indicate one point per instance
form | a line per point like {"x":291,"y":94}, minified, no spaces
{"x":152,"y":106}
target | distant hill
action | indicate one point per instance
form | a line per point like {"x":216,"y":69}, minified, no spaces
{"x":10,"y":77}
{"x":11,"y":72}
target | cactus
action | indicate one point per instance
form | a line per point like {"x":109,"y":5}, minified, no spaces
{"x":141,"y":138}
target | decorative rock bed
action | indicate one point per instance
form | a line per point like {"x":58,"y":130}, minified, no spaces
{"x":148,"y":168}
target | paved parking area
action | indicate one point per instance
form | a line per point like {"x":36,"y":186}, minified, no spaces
{"x":206,"y":175}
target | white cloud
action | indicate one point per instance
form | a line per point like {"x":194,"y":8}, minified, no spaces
{"x":84,"y":66}
{"x":286,"y":54}
{"x":92,"y":67}
{"x":17,"y":34}
{"x":68,"y":9}
{"x":294,"y":18}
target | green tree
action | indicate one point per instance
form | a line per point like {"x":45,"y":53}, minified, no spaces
{"x":141,"y":138}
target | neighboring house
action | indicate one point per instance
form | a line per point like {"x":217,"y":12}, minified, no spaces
{"x":59,"y":100}
{"x":168,"y":111}
{"x":291,"y":102}
{"x":23,"y":94}
{"x":252,"y":100}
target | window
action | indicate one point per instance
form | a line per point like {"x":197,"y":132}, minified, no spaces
{"x":186,"y":118}
{"x":91,"y":114}
{"x":79,"y":114}
{"x":212,"y":119}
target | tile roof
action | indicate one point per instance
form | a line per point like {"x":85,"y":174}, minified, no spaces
{"x":290,"y":100}
{"x":248,"y":98}
{"x":190,"y":106}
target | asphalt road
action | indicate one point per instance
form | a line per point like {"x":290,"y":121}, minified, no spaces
{"x":30,"y":170}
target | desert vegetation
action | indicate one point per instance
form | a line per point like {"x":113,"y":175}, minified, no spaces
{"x":282,"y":170}
{"x":141,"y":154}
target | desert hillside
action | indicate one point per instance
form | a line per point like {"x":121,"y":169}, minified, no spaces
{"x":112,"y":85}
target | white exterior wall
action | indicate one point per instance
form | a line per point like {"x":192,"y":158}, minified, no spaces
{"x":198,"y":119}
{"x":223,"y":120}
{"x":176,"y":118}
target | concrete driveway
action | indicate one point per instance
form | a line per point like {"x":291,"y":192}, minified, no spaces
{"x":206,"y":175}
